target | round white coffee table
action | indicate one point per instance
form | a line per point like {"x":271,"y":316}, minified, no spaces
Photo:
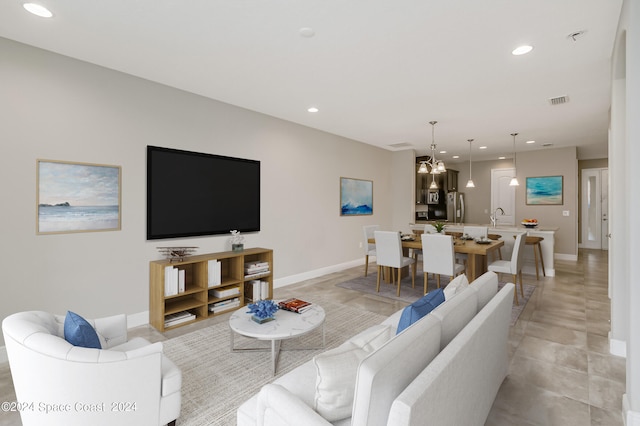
{"x":287,"y":325}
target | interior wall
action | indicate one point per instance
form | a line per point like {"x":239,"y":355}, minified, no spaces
{"x":544,"y":162}
{"x":57,"y":108}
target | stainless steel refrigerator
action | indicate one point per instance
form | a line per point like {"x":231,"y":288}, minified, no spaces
{"x":455,"y":207}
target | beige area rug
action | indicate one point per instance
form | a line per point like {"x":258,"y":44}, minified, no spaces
{"x":216,"y":381}
{"x":410,"y":294}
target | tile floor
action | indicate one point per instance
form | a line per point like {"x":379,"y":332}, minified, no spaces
{"x":561,"y":372}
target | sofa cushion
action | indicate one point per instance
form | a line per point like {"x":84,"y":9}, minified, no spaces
{"x":455,"y":314}
{"x":420,"y":308}
{"x":335,"y":380}
{"x":486,"y":287}
{"x":79,"y":332}
{"x":456,"y":285}
{"x":337,"y":369}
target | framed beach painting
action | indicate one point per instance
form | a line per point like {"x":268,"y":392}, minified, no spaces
{"x":356,"y":197}
{"x":544,"y":190}
{"x":77,"y":197}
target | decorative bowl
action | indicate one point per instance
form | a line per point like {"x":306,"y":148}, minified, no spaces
{"x":529,"y":224}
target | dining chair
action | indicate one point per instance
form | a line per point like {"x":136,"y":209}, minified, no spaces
{"x":369,"y":248}
{"x":497,"y":252}
{"x":473,"y":232}
{"x":439,"y":258}
{"x":389,"y":254}
{"x":512,"y":266}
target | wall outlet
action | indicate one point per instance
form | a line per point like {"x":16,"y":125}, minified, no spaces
{"x":565,"y":212}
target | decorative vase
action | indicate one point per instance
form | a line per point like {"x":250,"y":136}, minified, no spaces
{"x":237,"y":247}
{"x":262,"y":320}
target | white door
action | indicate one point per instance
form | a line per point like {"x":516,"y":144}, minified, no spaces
{"x":503,"y":196}
{"x":595,"y":209}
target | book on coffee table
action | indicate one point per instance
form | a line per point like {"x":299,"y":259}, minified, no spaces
{"x":295,"y":305}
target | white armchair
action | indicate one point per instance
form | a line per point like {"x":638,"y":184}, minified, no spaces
{"x":56,"y":383}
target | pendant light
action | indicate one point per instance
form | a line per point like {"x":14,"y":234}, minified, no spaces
{"x":433,"y":166}
{"x":514,"y":179}
{"x":470,"y":183}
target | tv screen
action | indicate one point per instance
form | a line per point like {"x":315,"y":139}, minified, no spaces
{"x":191,"y":194}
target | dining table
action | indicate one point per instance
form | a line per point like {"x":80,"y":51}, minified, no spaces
{"x":477,"y":252}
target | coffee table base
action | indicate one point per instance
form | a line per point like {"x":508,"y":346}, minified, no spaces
{"x":276,"y":347}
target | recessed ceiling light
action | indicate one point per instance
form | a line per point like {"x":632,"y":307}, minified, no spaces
{"x":456,"y":156}
{"x":307,"y":32}
{"x":313,"y":109}
{"x":530,"y":142}
{"x":502,"y":157}
{"x":443,"y":152}
{"x":482,"y":147}
{"x":521,"y":50}
{"x":38,"y":10}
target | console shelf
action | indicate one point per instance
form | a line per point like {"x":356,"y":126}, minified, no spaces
{"x":198,"y":297}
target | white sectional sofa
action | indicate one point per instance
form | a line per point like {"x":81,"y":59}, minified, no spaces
{"x":445,"y":369}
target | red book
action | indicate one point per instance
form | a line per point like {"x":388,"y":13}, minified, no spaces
{"x":295,"y":305}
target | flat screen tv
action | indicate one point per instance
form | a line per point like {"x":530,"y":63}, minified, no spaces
{"x":193,"y":194}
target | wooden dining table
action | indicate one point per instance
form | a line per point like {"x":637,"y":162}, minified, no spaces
{"x":477,"y":252}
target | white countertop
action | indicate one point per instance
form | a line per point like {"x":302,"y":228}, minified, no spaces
{"x":498,"y":228}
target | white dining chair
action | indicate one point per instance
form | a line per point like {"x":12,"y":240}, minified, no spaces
{"x":389,"y":254}
{"x":369,"y":248}
{"x":512,"y":266}
{"x":438,"y":258}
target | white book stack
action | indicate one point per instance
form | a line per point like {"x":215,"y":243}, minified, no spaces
{"x":171,"y":281}
{"x":181,"y":280}
{"x":178,"y":318}
{"x":254,"y":269}
{"x":214,"y":268}
{"x":257,"y":290}
{"x":224,"y":305}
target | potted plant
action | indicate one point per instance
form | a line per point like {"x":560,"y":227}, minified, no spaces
{"x":237,"y":241}
{"x":439,"y":226}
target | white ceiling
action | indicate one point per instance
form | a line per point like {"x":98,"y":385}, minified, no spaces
{"x":378,"y":70}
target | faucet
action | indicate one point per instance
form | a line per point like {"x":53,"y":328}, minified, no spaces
{"x":494,"y":217}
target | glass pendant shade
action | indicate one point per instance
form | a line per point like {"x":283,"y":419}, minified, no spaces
{"x":423,"y":168}
{"x":470,"y":184}
{"x":433,"y":185}
{"x":514,"y":179}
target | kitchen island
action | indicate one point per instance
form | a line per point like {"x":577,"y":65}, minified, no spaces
{"x":507,"y":232}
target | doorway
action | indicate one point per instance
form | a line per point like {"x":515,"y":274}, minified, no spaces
{"x":595,"y":209}
{"x":503,"y":195}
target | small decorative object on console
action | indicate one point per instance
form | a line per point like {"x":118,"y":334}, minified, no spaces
{"x":262,"y":310}
{"x":295,"y":305}
{"x":237,"y":241}
{"x":177,"y":253}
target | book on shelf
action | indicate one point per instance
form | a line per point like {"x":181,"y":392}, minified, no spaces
{"x":178,"y":318}
{"x":255,"y":290}
{"x":295,"y":305}
{"x":224,"y":305}
{"x":252,"y":268}
{"x":214,"y":272}
{"x":181,"y":280}
{"x":171,"y":281}
{"x":231,"y":291}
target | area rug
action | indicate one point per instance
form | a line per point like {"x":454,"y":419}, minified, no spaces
{"x":409,"y":294}
{"x":216,"y":381}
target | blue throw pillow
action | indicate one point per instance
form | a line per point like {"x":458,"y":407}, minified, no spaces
{"x":420,"y":308}
{"x":79,"y":332}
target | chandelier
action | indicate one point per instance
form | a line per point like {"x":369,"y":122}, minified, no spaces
{"x":432,"y":165}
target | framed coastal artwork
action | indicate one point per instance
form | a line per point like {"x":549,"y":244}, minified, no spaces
{"x":77,"y":197}
{"x":544,"y":190}
{"x":356,"y":197}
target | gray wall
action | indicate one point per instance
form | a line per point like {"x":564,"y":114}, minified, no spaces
{"x":57,"y":108}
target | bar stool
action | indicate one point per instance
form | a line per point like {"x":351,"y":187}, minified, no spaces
{"x":535,"y":242}
{"x":496,"y":237}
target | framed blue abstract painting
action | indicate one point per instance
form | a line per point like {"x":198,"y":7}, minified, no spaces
{"x":544,"y":190}
{"x":356,"y":197}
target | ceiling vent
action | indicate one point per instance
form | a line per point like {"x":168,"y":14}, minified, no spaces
{"x":401,"y":145}
{"x":559,"y":100}
{"x":546,"y":145}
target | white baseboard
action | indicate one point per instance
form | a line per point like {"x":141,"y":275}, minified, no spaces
{"x":617,"y":347}
{"x":563,"y":256}
{"x":292,"y":279}
{"x":630,"y":418}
